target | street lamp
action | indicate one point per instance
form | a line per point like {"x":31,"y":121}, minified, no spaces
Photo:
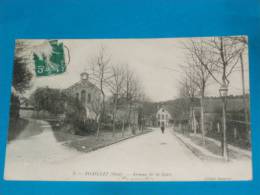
{"x":223,"y":92}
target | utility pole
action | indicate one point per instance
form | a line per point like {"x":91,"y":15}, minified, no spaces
{"x":244,"y":96}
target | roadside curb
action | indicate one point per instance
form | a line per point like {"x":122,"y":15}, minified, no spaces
{"x":234,"y":148}
{"x":198,"y":151}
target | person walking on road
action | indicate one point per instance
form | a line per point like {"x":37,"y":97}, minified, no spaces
{"x":162,"y":128}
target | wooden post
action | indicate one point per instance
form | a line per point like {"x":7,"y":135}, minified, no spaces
{"x":218,"y":127}
{"x":235,"y":133}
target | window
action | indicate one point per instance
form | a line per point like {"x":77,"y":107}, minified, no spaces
{"x":83,"y":96}
{"x":89,"y":98}
{"x":159,"y":116}
{"x":77,"y":96}
{"x":162,"y":117}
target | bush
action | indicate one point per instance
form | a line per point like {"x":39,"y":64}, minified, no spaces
{"x":15,"y":106}
{"x":75,"y":114}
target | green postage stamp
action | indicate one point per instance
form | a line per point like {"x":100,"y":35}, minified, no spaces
{"x":50,"y":61}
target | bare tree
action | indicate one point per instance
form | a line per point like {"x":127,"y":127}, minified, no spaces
{"x":188,"y":90}
{"x":116,"y":88}
{"x":133,"y":93}
{"x":243,"y":41}
{"x":96,"y":107}
{"x":228,"y":51}
{"x":101,"y":75}
{"x":200,"y":66}
{"x":224,"y":52}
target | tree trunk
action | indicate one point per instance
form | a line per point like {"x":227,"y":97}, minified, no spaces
{"x":100,"y":119}
{"x":202,"y":119}
{"x":129,"y":115}
{"x":114,"y":117}
{"x":193,"y":121}
{"x":98,"y":126}
{"x":123,"y":128}
{"x":114,"y":128}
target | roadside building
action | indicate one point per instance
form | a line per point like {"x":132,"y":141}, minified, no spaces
{"x":87,"y":93}
{"x":163,"y":117}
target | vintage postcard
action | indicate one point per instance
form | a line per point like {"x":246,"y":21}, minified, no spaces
{"x":175,"y":109}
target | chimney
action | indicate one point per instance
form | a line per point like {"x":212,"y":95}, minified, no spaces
{"x":84,"y":76}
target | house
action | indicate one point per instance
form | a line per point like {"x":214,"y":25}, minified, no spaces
{"x":26,"y":104}
{"x":26,"y":109}
{"x":163,"y":117}
{"x":88,"y":94}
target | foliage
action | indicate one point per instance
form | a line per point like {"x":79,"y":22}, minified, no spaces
{"x":51,"y":100}
{"x":21,"y":73}
{"x":15,"y":105}
{"x":75,"y":114}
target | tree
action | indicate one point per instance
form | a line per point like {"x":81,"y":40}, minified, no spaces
{"x":101,"y":75}
{"x":22,"y":74}
{"x":133,"y":93}
{"x":75,"y":114}
{"x":116,"y":88}
{"x":188,"y":91}
{"x":227,"y":54}
{"x":96,"y":107}
{"x":224,"y":55}
{"x":226,"y":51}
{"x":48,"y":99}
{"x":21,"y":77}
{"x":200,"y":66}
{"x":243,"y":41}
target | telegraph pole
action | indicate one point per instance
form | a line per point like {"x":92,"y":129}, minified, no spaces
{"x":244,"y":94}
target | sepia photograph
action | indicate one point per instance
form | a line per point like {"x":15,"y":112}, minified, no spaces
{"x":169,"y":109}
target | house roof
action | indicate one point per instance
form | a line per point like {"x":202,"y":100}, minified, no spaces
{"x":82,"y":84}
{"x":163,"y":107}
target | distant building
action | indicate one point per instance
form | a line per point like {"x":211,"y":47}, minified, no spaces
{"x":163,"y":117}
{"x":87,"y":93}
{"x":26,"y":109}
{"x":25,"y":104}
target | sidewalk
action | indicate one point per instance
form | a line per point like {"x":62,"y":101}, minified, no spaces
{"x":234,"y":148}
{"x":212,"y":149}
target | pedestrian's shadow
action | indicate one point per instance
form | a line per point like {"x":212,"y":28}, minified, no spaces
{"x":163,"y":143}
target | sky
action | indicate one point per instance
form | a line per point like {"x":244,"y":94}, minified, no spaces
{"x":156,"y":63}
